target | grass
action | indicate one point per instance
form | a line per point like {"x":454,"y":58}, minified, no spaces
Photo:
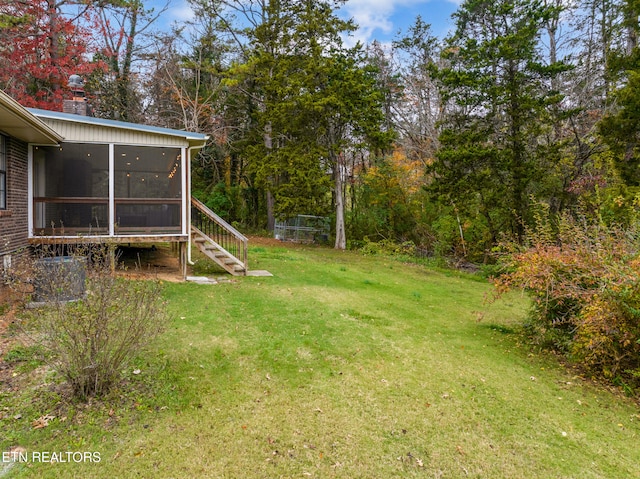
{"x":338,"y":366}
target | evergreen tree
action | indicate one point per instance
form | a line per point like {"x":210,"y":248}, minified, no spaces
{"x":313,"y":100}
{"x":498,"y":90}
{"x":621,"y":128}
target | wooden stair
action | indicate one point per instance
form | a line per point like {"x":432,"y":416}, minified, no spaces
{"x":218,"y":240}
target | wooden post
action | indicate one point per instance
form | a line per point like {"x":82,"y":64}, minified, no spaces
{"x":183,"y":259}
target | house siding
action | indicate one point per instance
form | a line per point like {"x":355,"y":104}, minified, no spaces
{"x":14,"y":220}
{"x":84,"y":133}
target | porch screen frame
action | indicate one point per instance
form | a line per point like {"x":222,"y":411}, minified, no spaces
{"x":182,"y":203}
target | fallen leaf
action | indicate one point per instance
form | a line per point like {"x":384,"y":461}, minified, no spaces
{"x":42,"y":421}
{"x":17,"y":450}
{"x":460,"y":451}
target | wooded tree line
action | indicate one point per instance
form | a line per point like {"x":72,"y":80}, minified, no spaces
{"x":445,"y":143}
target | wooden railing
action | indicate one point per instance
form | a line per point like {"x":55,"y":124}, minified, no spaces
{"x":225,"y":235}
{"x":97,"y":223}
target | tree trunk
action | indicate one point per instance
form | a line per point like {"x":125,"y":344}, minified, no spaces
{"x":341,"y":237}
{"x":124,"y":84}
{"x":54,"y":40}
{"x":268,"y":145}
{"x":271,"y":219}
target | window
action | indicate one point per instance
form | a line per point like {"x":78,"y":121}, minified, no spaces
{"x":3,"y":173}
{"x":71,"y":188}
{"x":148,"y":189}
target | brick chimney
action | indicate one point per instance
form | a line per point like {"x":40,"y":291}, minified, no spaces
{"x":78,"y":105}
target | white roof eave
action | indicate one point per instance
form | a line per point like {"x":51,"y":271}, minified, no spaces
{"x":19,"y":122}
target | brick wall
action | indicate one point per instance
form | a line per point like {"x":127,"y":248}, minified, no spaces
{"x":14,"y":220}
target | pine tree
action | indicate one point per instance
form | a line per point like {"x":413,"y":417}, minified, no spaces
{"x":621,"y":128}
{"x":314,"y":101}
{"x":497,"y":89}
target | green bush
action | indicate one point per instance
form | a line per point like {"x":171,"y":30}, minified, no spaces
{"x":388,"y":247}
{"x":584,"y":280}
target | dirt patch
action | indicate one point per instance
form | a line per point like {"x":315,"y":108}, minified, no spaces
{"x":271,"y":241}
{"x":266,"y":241}
{"x":149,"y":262}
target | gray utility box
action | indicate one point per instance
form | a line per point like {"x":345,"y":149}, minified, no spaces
{"x":61,"y":278}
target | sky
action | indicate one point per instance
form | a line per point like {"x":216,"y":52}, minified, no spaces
{"x":382,"y":19}
{"x":378,"y":19}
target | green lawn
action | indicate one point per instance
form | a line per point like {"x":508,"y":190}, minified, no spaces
{"x":338,"y":366}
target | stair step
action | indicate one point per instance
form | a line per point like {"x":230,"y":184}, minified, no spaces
{"x":223,"y":258}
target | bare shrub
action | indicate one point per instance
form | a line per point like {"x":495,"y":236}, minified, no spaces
{"x":94,"y":337}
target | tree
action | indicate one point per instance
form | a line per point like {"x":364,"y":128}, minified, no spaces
{"x":40,"y":47}
{"x":121,"y":25}
{"x":497,"y":87}
{"x":311,"y":101}
{"x":620,"y":128}
{"x":418,"y":112}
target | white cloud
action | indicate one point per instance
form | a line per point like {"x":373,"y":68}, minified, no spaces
{"x":374,"y":17}
{"x":180,"y":12}
{"x":370,"y":16}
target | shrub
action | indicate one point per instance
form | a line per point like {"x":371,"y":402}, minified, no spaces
{"x":388,"y":247}
{"x":584,"y":280}
{"x":93,"y":339}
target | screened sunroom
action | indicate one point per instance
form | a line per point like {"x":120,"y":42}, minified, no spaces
{"x":112,"y":180}
{"x":118,"y":182}
{"x":103,"y":189}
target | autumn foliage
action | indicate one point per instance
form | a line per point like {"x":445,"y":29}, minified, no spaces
{"x":584,"y":280}
{"x":39,"y":49}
